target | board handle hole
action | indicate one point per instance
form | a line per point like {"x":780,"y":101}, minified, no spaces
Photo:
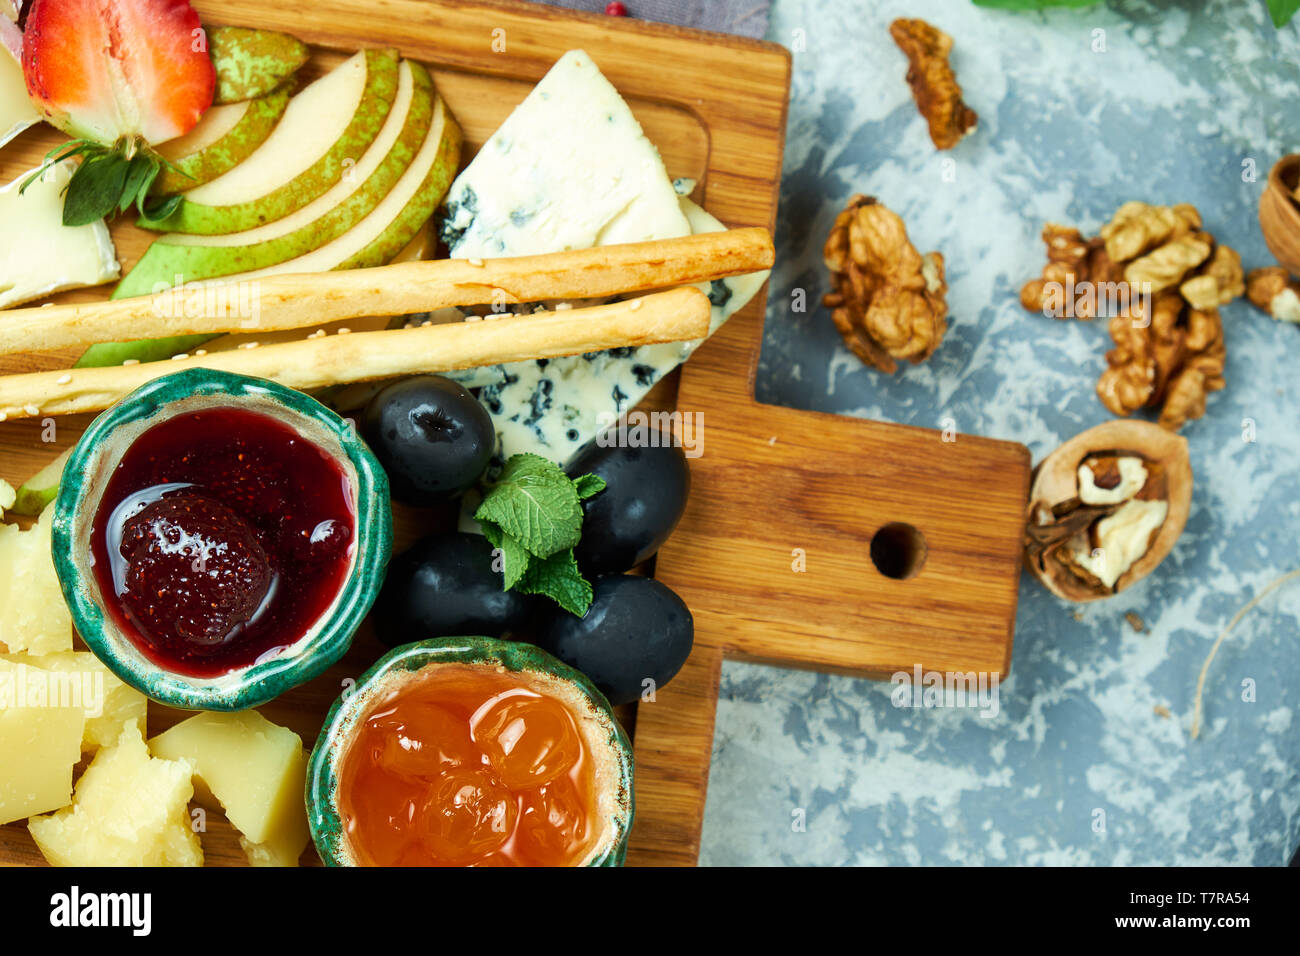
{"x":898,"y":550}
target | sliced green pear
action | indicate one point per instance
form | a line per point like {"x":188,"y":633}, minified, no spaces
{"x":341,"y":207}
{"x":251,"y":63}
{"x":398,"y":217}
{"x":223,"y":138}
{"x":324,"y":130}
{"x":40,"y":489}
{"x":375,"y":240}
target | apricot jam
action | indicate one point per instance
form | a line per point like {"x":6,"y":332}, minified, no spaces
{"x":465,"y":766}
{"x":221,"y":537}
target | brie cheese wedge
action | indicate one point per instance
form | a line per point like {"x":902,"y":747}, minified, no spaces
{"x":16,"y":109}
{"x":39,"y":255}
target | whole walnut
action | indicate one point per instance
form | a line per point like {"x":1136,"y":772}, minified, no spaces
{"x":889,"y":300}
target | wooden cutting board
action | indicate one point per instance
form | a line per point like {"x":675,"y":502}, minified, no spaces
{"x":773,"y":555}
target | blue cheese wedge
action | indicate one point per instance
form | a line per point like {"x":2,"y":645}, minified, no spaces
{"x":38,"y":254}
{"x":555,"y":407}
{"x":570,"y":168}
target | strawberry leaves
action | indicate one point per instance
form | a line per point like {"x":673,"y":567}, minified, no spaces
{"x":94,"y":189}
{"x":532,"y":516}
{"x":109,"y":180}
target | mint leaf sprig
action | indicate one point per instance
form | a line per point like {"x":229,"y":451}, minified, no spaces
{"x":532,"y":514}
{"x":1282,"y":11}
{"x":108,"y":181}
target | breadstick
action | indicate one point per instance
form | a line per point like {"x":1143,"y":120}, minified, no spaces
{"x":671,"y":316}
{"x":296,"y":301}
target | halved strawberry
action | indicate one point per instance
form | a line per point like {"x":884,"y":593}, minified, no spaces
{"x":119,"y":75}
{"x":105,"y":69}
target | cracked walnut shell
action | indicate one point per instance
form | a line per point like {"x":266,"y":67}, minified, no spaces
{"x":889,"y":300}
{"x":934,"y":85}
{"x":1106,"y":508}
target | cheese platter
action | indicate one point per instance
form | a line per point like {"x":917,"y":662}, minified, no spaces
{"x":423,"y":159}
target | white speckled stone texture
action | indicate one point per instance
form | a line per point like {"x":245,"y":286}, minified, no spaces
{"x":1185,"y":96}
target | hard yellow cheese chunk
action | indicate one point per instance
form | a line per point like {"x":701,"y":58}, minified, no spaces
{"x":255,"y":770}
{"x":39,"y":746}
{"x":33,"y":616}
{"x":130,"y":809}
{"x":79,"y":677}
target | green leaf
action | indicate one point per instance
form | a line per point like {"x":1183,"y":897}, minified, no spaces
{"x":1282,"y":11}
{"x":95,"y":189}
{"x":57,"y":155}
{"x":588,"y":485}
{"x":161,"y":210}
{"x":514,"y":556}
{"x":139,"y":177}
{"x":1033,"y":4}
{"x":559,"y":579}
{"x":534,"y":502}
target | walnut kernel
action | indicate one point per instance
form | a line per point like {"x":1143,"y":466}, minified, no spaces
{"x":934,"y":85}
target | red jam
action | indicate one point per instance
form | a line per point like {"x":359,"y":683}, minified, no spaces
{"x":222,"y":537}
{"x":467,"y":767}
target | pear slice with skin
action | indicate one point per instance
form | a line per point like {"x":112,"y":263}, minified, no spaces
{"x":223,"y":138}
{"x":40,"y":489}
{"x":346,"y":203}
{"x":251,"y":63}
{"x":324,"y":130}
{"x":375,"y":240}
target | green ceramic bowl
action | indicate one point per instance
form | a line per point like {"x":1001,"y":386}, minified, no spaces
{"x":403,"y":664}
{"x":86,"y":475}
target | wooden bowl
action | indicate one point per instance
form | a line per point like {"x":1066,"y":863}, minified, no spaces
{"x":1279,"y":212}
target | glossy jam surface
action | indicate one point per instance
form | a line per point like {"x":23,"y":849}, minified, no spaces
{"x":464,"y":766}
{"x":221,"y":537}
